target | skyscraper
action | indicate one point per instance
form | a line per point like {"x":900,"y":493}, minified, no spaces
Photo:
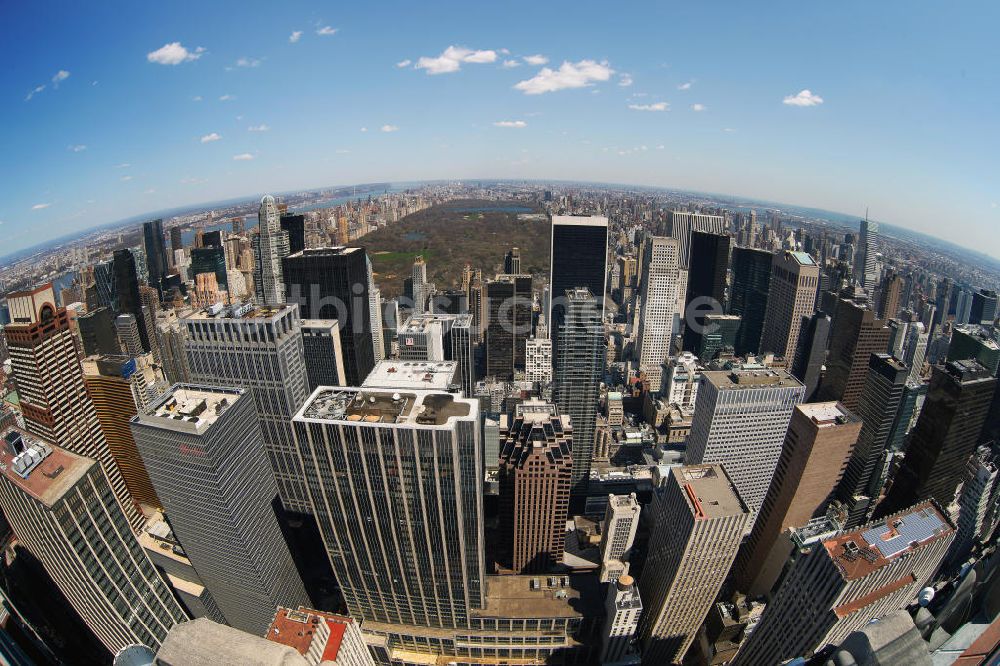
{"x":839,"y":584}
{"x":536,"y":469}
{"x":259,"y":349}
{"x":659,"y":302}
{"x":855,"y":334}
{"x":129,"y":298}
{"x":322,"y":353}
{"x":706,"y":284}
{"x":818,"y":443}
{"x":156,"y":251}
{"x":984,"y":307}
{"x":118,"y":391}
{"x":54,"y":399}
{"x":295,"y":227}
{"x":878,"y":407}
{"x":204,"y":453}
{"x":810,"y":357}
{"x":508,"y":324}
{"x":332,"y":283}
{"x":369,"y":454}
{"x":946,"y":434}
{"x":622,"y":610}
{"x":621,"y":522}
{"x":420,"y":286}
{"x":698,"y":525}
{"x":681,"y":224}
{"x":578,"y":366}
{"x":97,"y":332}
{"x":867,"y":249}
{"x":578,"y":257}
{"x":63,"y":511}
{"x":270,"y":246}
{"x":512,"y":262}
{"x":740,"y":422}
{"x":972,"y":341}
{"x":791,"y":296}
{"x":889,"y":297}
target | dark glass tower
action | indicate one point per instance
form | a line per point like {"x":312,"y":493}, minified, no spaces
{"x":706,"y":282}
{"x":811,"y":353}
{"x":508,"y":303}
{"x":210,"y":259}
{"x":129,"y":299}
{"x":748,"y":295}
{"x":156,"y":252}
{"x":332,"y":283}
{"x":578,"y":258}
{"x":295,"y":225}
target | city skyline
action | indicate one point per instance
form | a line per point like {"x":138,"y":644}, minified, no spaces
{"x":471,"y":100}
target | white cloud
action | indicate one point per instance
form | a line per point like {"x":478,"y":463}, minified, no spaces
{"x":77,"y":148}
{"x":404,"y":63}
{"x":697,"y":107}
{"x":258,"y":128}
{"x":728,"y":129}
{"x":35,"y":91}
{"x":40,"y":206}
{"x":994,"y":204}
{"x":389,"y":128}
{"x":685,"y":86}
{"x":173,"y":54}
{"x":243,"y":157}
{"x":364,"y":129}
{"x":196,"y":98}
{"x":625,"y":80}
{"x":59,"y":77}
{"x":536,"y":60}
{"x":295,"y":36}
{"x":510,"y":64}
{"x":248,"y":62}
{"x":149,"y":191}
{"x":569,"y":75}
{"x":189,"y":180}
{"x":327,"y":30}
{"x":123,"y":165}
{"x":209,"y":138}
{"x":656,"y":106}
{"x":803,"y":98}
{"x":343,"y":151}
{"x":227,"y":98}
{"x":511,"y":123}
{"x":125,"y":179}
{"x":660,"y":147}
{"x":451,"y":59}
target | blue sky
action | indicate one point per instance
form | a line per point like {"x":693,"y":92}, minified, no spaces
{"x":900,"y":109}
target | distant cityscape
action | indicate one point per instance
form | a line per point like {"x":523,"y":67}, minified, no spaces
{"x":641,"y":427}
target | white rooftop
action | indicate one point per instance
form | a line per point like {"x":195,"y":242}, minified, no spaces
{"x":439,"y":375}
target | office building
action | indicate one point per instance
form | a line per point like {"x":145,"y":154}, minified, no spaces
{"x":817,"y":446}
{"x":105,"y":285}
{"x":432,"y":573}
{"x":748,"y":295}
{"x":322,"y":638}
{"x":578,"y":367}
{"x":976,"y":342}
{"x":706,"y":284}
{"x":889,"y":297}
{"x":855,"y":334}
{"x":508,"y":324}
{"x":129,"y":299}
{"x":295,"y":227}
{"x":63,"y":511}
{"x":717,"y":336}
{"x":984,"y":307}
{"x":622,"y":610}
{"x":536,"y":469}
{"x":977,"y":503}
{"x":332,"y":283}
{"x":205,"y":455}
{"x":375,"y":314}
{"x":578,"y":259}
{"x":118,"y":390}
{"x":917,"y":342}
{"x":878,"y":408}
{"x":810,"y":357}
{"x":791,"y":296}
{"x":210,"y":260}
{"x":156,"y":252}
{"x":259,"y":349}
{"x":270,"y":246}
{"x":680,"y":380}
{"x":420,"y":287}
{"x":538,"y":360}
{"x":867,"y":251}
{"x":127,"y":331}
{"x":838,"y":584}
{"x":440,"y":337}
{"x":660,"y":285}
{"x":323,"y":355}
{"x":97,"y":332}
{"x":740,"y":422}
{"x":621,"y":522}
{"x":946,"y":434}
{"x":171,"y":336}
{"x":512,"y":262}
{"x":682,"y":224}
{"x":699,"y":522}
{"x":53,"y":397}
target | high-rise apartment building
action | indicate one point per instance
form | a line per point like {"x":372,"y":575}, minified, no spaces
{"x":54,"y":400}
{"x":680,"y":380}
{"x":946,"y":434}
{"x":578,"y":366}
{"x":323,"y":355}
{"x":370,"y":455}
{"x":270,"y":246}
{"x":536,"y":469}
{"x":333,"y":283}
{"x":855,"y":334}
{"x":816,"y":449}
{"x":659,"y":301}
{"x":538,"y":359}
{"x":156,"y":252}
{"x":740,"y":422}
{"x":621,"y":522}
{"x":204,"y":453}
{"x":699,"y":522}
{"x":64,"y":512}
{"x":259,"y":349}
{"x":791,"y":296}
{"x":878,"y":408}
{"x":839,"y":584}
{"x":118,"y":390}
{"x":578,"y":259}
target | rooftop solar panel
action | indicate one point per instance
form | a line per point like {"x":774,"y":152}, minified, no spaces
{"x":895,"y":537}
